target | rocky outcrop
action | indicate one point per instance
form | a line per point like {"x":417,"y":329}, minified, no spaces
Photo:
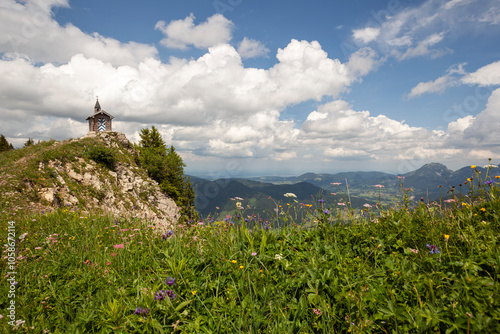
{"x":124,"y":191}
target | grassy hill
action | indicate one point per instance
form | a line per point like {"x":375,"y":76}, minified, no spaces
{"x":430,"y":269}
{"x":96,"y":174}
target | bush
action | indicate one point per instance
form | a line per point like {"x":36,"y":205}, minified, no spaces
{"x":102,"y":155}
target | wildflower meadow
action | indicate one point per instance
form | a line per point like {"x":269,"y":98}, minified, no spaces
{"x":425,"y":267}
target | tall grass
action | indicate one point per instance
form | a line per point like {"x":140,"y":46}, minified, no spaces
{"x":428,"y":268}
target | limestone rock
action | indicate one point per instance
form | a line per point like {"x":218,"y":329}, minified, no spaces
{"x":124,"y":191}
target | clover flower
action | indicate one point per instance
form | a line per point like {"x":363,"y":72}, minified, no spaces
{"x":279,"y":257}
{"x":433,"y":249}
{"x":317,"y":311}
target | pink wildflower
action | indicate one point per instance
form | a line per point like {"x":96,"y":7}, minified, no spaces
{"x":119,"y":246}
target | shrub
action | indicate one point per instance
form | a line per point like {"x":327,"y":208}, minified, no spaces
{"x":102,"y":155}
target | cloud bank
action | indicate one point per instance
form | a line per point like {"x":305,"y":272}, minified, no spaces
{"x":214,"y":107}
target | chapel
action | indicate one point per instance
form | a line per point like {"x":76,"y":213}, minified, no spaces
{"x":100,"y":120}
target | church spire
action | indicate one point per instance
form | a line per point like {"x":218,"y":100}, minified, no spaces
{"x":97,"y":107}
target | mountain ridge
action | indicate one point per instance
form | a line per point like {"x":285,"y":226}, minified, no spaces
{"x":430,"y":181}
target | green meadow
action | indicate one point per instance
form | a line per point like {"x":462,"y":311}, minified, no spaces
{"x":402,"y":268}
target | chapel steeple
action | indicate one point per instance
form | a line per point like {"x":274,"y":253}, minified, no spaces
{"x":97,"y":107}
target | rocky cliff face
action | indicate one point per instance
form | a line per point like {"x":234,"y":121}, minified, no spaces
{"x":66,"y":176}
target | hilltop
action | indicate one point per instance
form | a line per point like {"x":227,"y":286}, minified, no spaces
{"x":98,"y":173}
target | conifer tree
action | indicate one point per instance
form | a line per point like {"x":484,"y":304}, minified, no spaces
{"x":4,"y":144}
{"x":166,"y":167}
{"x":29,"y":142}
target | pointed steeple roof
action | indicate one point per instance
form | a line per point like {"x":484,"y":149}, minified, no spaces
{"x":97,"y":107}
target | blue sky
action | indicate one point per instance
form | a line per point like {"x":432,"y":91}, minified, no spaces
{"x":244,"y":87}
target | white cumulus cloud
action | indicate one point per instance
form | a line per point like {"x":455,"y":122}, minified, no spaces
{"x":29,"y":29}
{"x":180,"y":34}
{"x":250,"y":48}
{"x":484,"y":76}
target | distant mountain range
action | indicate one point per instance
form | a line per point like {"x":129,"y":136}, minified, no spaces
{"x":261,"y":194}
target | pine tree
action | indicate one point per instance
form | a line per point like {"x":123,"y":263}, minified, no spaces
{"x":29,"y":142}
{"x":4,"y":144}
{"x":166,"y":167}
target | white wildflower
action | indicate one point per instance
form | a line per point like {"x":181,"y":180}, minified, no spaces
{"x":289,"y":195}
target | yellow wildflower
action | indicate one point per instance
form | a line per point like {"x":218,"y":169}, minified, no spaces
{"x":482,"y":209}
{"x":234,"y":261}
{"x":446,"y":237}
{"x":193,"y":292}
{"x":241,"y":267}
{"x":473,"y":166}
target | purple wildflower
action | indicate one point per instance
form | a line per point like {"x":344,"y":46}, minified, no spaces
{"x":169,"y":233}
{"x":141,"y":311}
{"x":321,"y":201}
{"x":489,"y":182}
{"x":433,"y":249}
{"x":326,"y":212}
{"x":171,"y":294}
{"x":160,"y":295}
{"x":170,"y":281}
